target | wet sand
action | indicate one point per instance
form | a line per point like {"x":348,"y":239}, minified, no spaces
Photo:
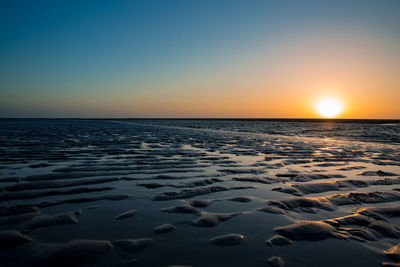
{"x":133,"y":193}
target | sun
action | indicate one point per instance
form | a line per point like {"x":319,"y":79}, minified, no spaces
{"x":329,"y":107}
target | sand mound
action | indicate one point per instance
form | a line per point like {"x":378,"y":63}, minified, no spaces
{"x":278,"y":240}
{"x":394,"y":252}
{"x":181,"y":209}
{"x":53,"y":220}
{"x":126,"y":214}
{"x":276,"y":261}
{"x":308,"y":230}
{"x":164,"y":228}
{"x":209,"y":219}
{"x":133,"y":245}
{"x":227,"y":240}
{"x":200,"y":203}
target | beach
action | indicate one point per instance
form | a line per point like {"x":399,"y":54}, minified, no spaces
{"x":130,"y":192}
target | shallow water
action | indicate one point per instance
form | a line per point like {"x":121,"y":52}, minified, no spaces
{"x":255,"y":177}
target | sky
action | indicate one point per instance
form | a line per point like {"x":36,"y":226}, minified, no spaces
{"x":199,"y":58}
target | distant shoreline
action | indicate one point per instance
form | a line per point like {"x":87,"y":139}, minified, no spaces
{"x":375,"y":121}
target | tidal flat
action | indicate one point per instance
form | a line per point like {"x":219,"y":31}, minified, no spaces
{"x":126,"y":192}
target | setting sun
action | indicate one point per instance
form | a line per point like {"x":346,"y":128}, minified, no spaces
{"x":329,"y":107}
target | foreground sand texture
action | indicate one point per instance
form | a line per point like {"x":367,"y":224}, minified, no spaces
{"x":198,"y":193}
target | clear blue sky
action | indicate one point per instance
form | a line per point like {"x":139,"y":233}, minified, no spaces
{"x":149,"y":58}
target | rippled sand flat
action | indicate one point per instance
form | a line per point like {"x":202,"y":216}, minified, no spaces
{"x":199,"y":193}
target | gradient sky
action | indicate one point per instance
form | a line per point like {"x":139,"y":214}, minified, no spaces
{"x":198,"y":58}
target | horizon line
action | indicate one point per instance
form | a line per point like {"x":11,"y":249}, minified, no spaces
{"x":196,"y":118}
